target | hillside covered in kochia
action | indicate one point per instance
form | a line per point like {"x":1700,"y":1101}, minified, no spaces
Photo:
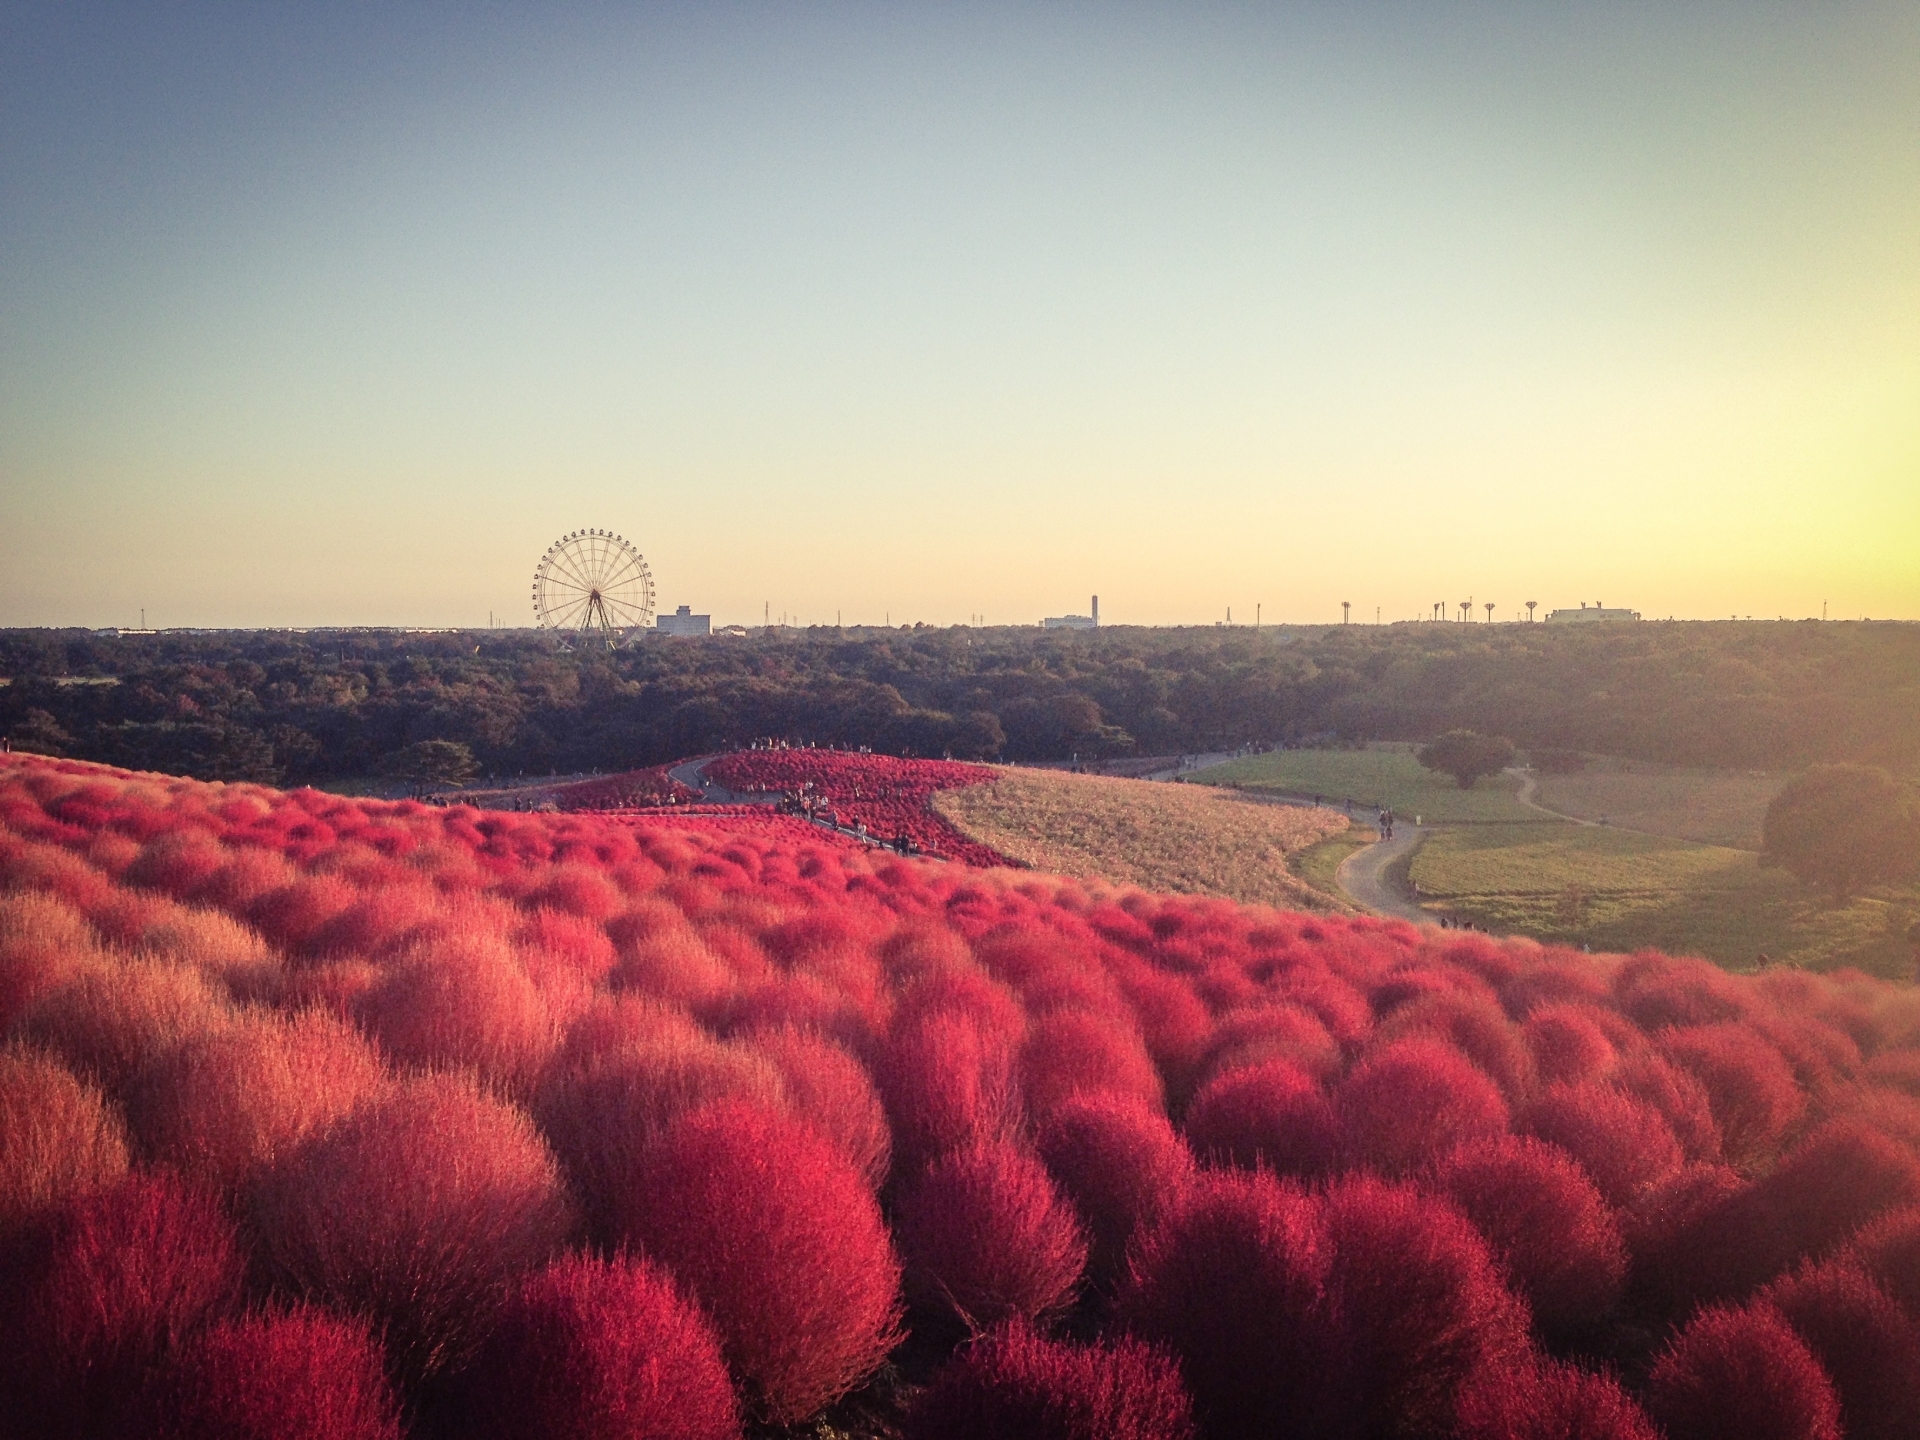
{"x":354,"y":1119}
{"x":284,"y":706}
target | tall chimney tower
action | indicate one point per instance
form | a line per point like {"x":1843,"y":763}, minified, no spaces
{"x":1096,"y":612}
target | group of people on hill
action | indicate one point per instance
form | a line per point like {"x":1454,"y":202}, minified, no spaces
{"x":1386,"y":822}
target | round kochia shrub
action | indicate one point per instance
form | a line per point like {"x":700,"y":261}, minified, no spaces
{"x":828,"y":1087}
{"x":1546,"y":1224}
{"x":1234,"y":1280}
{"x":1540,"y":1399}
{"x":1862,"y":1339}
{"x":301,"y":1374}
{"x":1742,"y":1374}
{"x":1410,"y":1102}
{"x":1119,"y":1165}
{"x":1272,"y":1114}
{"x":1623,"y":1144}
{"x":1420,"y":1303}
{"x":120,"y":1278}
{"x":58,"y":1137}
{"x":777,"y":1238}
{"x":224,"y":1103}
{"x":1016,"y":1384}
{"x":417,"y":1210}
{"x":987,"y":1236}
{"x":949,"y":1082}
{"x":602,"y":1113}
{"x":601,"y":1350}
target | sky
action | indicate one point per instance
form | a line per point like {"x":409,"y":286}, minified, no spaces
{"x":339,"y":314}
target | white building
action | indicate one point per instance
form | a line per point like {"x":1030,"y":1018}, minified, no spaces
{"x":683,"y":622}
{"x":1589,"y":615}
{"x":1075,"y":622}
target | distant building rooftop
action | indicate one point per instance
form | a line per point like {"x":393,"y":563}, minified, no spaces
{"x":1588,"y":614}
{"x":683,"y":622}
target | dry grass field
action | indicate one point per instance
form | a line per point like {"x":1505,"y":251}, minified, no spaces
{"x":1187,"y":839}
{"x":1714,"y":807}
{"x":1383,"y":774}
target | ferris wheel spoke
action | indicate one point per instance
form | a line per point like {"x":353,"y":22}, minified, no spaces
{"x":564,"y":562}
{"x":560,"y":583}
{"x":630,"y":566}
{"x":628,"y":613}
{"x":566,"y":612}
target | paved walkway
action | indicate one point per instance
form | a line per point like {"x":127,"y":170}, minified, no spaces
{"x":1363,"y":875}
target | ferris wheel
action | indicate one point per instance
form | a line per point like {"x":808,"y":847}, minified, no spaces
{"x":593,"y":586}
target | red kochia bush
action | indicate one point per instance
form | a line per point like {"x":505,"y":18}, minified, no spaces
{"x":302,"y":1374}
{"x":1742,"y":1374}
{"x":1412,"y":1101}
{"x":224,"y":1103}
{"x":1072,"y":1052}
{"x":1272,"y":1114}
{"x":602,"y":1114}
{"x":949,"y":1082}
{"x":1234,"y":1280}
{"x":1568,"y":1045}
{"x":58,"y":1138}
{"x":110,"y":1022}
{"x":465,"y":1004}
{"x":417,"y":1210}
{"x":986,"y":1235}
{"x":1864,"y":1341}
{"x":1119,"y":1165}
{"x":1546,"y":1224}
{"x":601,"y":1350}
{"x":1838,"y":1179}
{"x":778,"y":1239}
{"x":1420,"y":1303}
{"x":1541,"y":1399}
{"x":122,"y":1277}
{"x":1890,"y":1248}
{"x":1751,"y":1088}
{"x":1622,"y":1144}
{"x":829,"y":1088}
{"x":1015,"y":1384}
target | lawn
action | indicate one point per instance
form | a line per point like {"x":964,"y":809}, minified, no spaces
{"x":1716,"y":807}
{"x":1622,"y":891}
{"x":1185,"y":839}
{"x":1378,"y":775}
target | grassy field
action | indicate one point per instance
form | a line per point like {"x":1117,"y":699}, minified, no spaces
{"x":1715,"y":807}
{"x":1616,"y":890}
{"x":1381,"y":775}
{"x":1185,"y":839}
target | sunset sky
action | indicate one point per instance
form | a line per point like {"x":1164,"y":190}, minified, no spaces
{"x":337,"y":314}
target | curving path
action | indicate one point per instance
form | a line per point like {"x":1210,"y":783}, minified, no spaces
{"x":1363,"y":875}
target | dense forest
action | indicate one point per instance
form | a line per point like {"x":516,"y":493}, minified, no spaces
{"x":319,"y":705}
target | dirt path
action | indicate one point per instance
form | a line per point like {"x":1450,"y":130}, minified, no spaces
{"x":1363,"y":875}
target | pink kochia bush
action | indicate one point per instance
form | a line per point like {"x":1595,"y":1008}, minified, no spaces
{"x":453,"y":1088}
{"x":1742,"y":1374}
{"x":416,"y":1210}
{"x":988,"y":1236}
{"x":1119,"y":1165}
{"x":601,"y":1350}
{"x":1015,"y":1384}
{"x":778,"y":1240}
{"x":299,"y":1374}
{"x":126,"y":1274}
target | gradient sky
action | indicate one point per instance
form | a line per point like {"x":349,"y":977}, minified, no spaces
{"x":338,"y":314}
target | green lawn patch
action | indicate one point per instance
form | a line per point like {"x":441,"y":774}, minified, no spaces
{"x":1387,"y":775}
{"x":1620,"y":891}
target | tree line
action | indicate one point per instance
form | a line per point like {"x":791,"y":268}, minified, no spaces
{"x":301,"y":707}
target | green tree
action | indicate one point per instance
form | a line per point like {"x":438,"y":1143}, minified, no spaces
{"x":1843,"y":827}
{"x":431,"y":762}
{"x":1466,"y":755}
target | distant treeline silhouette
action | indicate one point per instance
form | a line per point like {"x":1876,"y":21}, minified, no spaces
{"x":293,"y":707}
